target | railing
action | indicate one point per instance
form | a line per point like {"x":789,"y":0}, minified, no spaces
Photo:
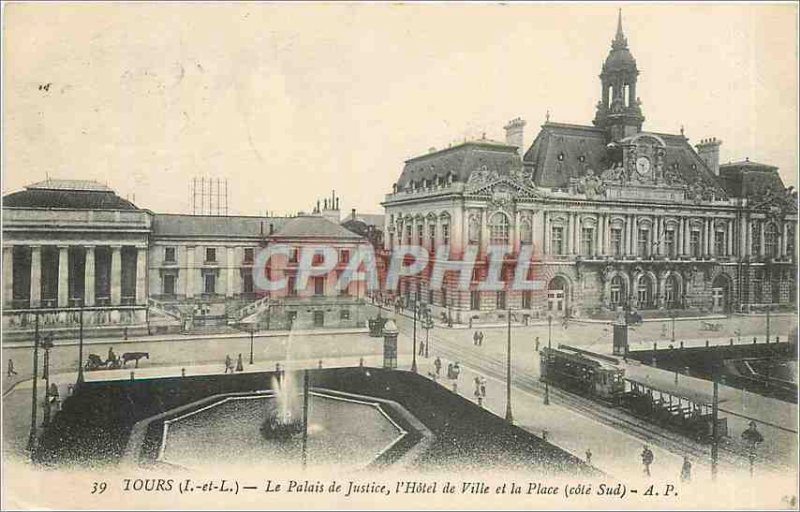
{"x":251,"y":309}
{"x":166,"y":309}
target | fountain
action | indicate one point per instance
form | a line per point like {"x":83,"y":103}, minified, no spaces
{"x":283,"y":417}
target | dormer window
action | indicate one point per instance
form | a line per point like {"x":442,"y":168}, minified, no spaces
{"x":561,"y":157}
{"x":694,"y":167}
{"x":581,"y":159}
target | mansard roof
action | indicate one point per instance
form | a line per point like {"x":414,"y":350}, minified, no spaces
{"x":226,"y":226}
{"x":460,"y":162}
{"x":555,"y":155}
{"x":70,"y":194}
{"x":752,"y":180}
{"x":313,"y":226}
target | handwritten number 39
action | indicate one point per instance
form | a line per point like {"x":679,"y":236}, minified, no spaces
{"x":99,"y":487}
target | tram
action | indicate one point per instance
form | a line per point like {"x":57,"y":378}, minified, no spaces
{"x":583,"y":372}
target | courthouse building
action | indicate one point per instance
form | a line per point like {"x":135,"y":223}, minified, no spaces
{"x":75,"y":252}
{"x":617,"y":216}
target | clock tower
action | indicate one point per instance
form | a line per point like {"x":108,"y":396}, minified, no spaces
{"x":619,"y":111}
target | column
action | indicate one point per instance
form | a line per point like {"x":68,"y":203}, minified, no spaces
{"x":88,"y":276}
{"x":598,"y":235}
{"x":626,"y":235}
{"x":606,"y":234}
{"x":729,"y":237}
{"x":742,"y":235}
{"x":8,"y":276}
{"x":141,"y":275}
{"x":36,"y":276}
{"x":748,"y":242}
{"x":63,"y":276}
{"x":116,"y":275}
{"x":577,"y":229}
{"x":712,"y":230}
{"x":484,"y":232}
{"x":784,"y":239}
{"x":571,"y":234}
{"x":761,"y":248}
{"x":687,"y":233}
{"x":188,"y":276}
{"x":230,"y":261}
{"x":546,"y":232}
{"x":515,"y":238}
{"x":635,"y":236}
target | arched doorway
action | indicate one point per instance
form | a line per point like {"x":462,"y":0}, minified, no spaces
{"x":720,"y":293}
{"x":672,"y":292}
{"x":644,"y":292}
{"x":617,"y":292}
{"x":557,"y":296}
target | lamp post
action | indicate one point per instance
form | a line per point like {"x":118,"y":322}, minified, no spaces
{"x":428,"y":326}
{"x":509,"y":416}
{"x":80,"y":349}
{"x":32,"y":436}
{"x":414,"y":354}
{"x":252,"y":328}
{"x":47,"y":344}
{"x":549,"y":346}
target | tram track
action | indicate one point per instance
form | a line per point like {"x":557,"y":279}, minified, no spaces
{"x":616,"y":418}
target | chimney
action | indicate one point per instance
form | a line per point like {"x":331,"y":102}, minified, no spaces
{"x":515,"y":130}
{"x":353,"y":212}
{"x":708,"y":149}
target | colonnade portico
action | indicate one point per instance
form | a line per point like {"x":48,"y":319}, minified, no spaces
{"x":80,"y":281}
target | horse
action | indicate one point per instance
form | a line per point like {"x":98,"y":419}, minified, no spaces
{"x":134,"y":356}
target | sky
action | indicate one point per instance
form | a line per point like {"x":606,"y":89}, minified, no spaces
{"x":290,"y":101}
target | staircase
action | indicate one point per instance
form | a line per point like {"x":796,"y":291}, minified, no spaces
{"x":164,"y":309}
{"x":251,"y":310}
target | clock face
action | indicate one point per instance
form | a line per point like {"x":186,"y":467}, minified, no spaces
{"x":643,"y":165}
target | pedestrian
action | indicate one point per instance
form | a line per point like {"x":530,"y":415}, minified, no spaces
{"x":537,"y":344}
{"x":456,"y":370}
{"x":686,"y":470}
{"x":647,"y":459}
{"x":480,"y":338}
{"x":437,"y":363}
{"x":449,"y":370}
{"x":475,"y":338}
{"x":111,"y":355}
{"x":483,"y":386}
{"x":10,"y":371}
{"x":470,"y":322}
{"x":421,"y":348}
{"x":477,"y":381}
{"x":228,"y":363}
{"x":239,"y":364}
{"x":588,"y":456}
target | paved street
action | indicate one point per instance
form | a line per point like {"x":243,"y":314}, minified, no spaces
{"x":614,"y":452}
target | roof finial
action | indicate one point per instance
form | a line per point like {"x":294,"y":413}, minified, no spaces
{"x":681,"y":129}
{"x":619,"y":40}
{"x":547,"y":116}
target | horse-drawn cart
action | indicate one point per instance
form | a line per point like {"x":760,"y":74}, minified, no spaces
{"x":710,"y":326}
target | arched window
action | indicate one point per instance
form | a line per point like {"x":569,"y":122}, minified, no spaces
{"x":626,"y":91}
{"x":617,"y":297}
{"x":771,"y":240}
{"x":644,"y":292}
{"x":474,"y":230}
{"x":525,"y":233}
{"x":671,"y":292}
{"x":498,"y":229}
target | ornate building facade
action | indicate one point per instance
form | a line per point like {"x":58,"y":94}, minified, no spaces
{"x":616,"y":216}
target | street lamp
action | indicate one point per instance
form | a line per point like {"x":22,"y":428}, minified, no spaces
{"x":509,"y":416}
{"x":428,"y":324}
{"x":32,"y":436}
{"x":252,"y":328}
{"x":549,"y":346}
{"x":80,"y":349}
{"x":47,"y":344}
{"x":414,"y":353}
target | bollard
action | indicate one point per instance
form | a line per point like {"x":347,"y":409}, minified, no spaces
{"x":754,"y":340}
{"x":70,"y":389}
{"x":455,"y":387}
{"x":767,"y":340}
{"x":480,"y":401}
{"x":183,"y":372}
{"x":777,"y":339}
{"x":320,"y":364}
{"x":681,"y":345}
{"x":277,"y":367}
{"x":706,"y":343}
{"x":544,"y":435}
{"x":655,"y":362}
{"x":731,"y":341}
{"x":361,"y":362}
{"x":655,"y":346}
{"x":132,"y":378}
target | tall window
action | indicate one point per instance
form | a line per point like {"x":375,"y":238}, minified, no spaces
{"x":319,"y":286}
{"x":210,"y":282}
{"x":474,"y":300}
{"x":527,"y":297}
{"x":557,"y":240}
{"x":756,"y":285}
{"x":644,"y":292}
{"x":755,"y":237}
{"x":247,"y":282}
{"x":669,"y":243}
{"x":408,"y":234}
{"x":587,"y":241}
{"x":248,"y":254}
{"x":445,"y":232}
{"x":670,"y":292}
{"x":617,"y":291}
{"x":771,"y":240}
{"x":525,"y":232}
{"x":501,"y":299}
{"x":344,"y":256}
{"x":420,"y":234}
{"x":719,"y":243}
{"x":211,"y":254}
{"x":432,"y":235}
{"x":169,"y":255}
{"x":498,"y":229}
{"x":169,"y":284}
{"x":643,"y":248}
{"x":291,"y":286}
{"x":616,"y":241}
{"x":790,"y":241}
{"x":694,"y":243}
